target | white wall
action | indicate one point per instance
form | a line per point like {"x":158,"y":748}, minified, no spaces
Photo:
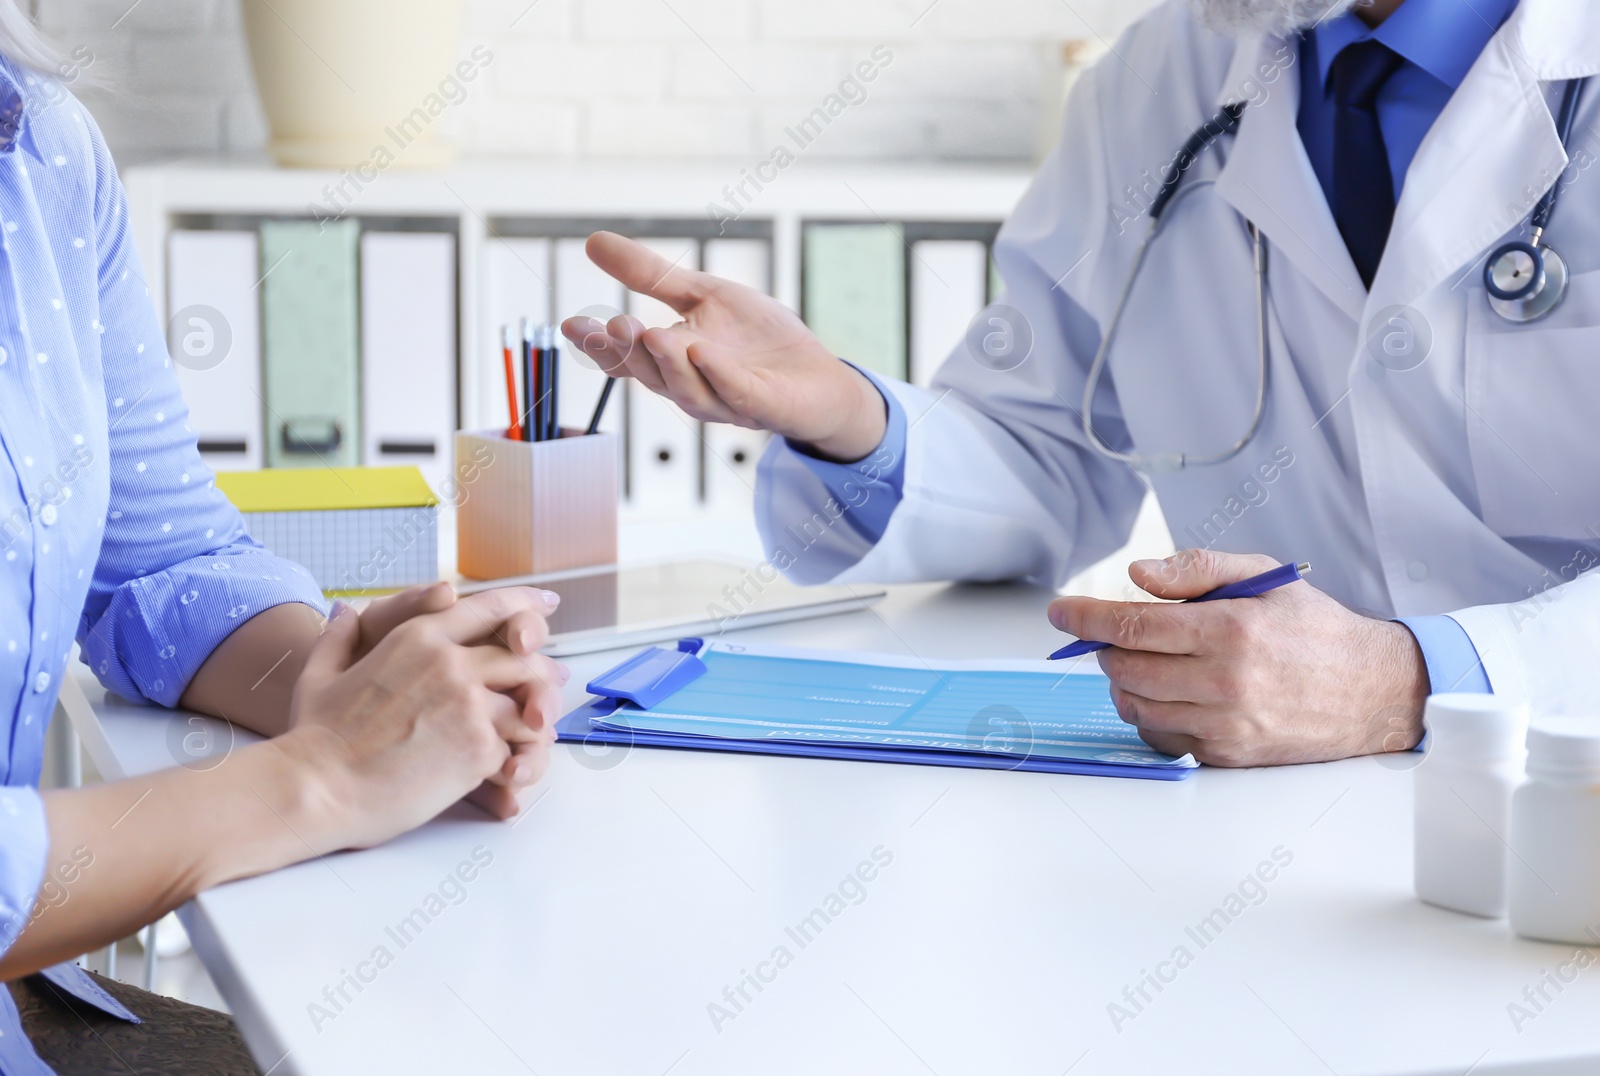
{"x":583,"y":79}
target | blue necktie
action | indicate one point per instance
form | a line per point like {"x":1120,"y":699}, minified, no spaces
{"x":1363,"y":186}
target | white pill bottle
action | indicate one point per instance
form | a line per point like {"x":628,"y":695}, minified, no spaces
{"x":1464,"y":787}
{"x":1555,"y":834}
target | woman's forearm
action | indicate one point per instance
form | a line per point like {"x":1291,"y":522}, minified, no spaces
{"x":401,"y":712}
{"x":123,"y":854}
{"x":249,"y":678}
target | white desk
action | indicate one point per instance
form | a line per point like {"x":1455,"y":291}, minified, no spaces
{"x":1016,"y":909}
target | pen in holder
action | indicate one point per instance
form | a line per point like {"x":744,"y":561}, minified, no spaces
{"x":528,"y":507}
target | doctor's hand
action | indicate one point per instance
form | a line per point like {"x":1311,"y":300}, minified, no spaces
{"x":450,"y":704}
{"x":1290,"y":676}
{"x":738,"y":356}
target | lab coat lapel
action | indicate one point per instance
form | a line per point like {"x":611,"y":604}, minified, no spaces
{"x":1268,"y":178}
{"x":1491,"y":154}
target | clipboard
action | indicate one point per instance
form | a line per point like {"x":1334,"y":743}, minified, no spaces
{"x":767,"y":700}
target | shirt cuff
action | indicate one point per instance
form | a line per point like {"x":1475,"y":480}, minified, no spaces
{"x":160,"y":628}
{"x":24,"y":842}
{"x":1447,"y":650}
{"x":871,"y":488}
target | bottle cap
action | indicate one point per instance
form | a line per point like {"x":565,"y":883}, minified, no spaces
{"x":1471,"y":725}
{"x":1566,"y":746}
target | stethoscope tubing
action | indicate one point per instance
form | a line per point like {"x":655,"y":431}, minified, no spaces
{"x":1091,"y":385}
{"x":1226,"y":121}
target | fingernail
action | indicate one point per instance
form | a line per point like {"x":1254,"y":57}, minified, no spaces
{"x":551,"y":598}
{"x":1151,"y":566}
{"x":563,"y":674}
{"x":520,"y":772}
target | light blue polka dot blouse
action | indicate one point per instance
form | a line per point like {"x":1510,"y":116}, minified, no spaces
{"x":112,"y":532}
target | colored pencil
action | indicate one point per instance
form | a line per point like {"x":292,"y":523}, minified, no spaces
{"x":530,"y":385}
{"x":600,"y":406}
{"x":513,"y":431}
{"x":552,"y":383}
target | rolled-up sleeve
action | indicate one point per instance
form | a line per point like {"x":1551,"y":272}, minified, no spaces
{"x":24,"y":841}
{"x":177,"y":571}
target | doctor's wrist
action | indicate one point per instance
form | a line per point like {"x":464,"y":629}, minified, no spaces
{"x":1398,"y":674}
{"x":863,"y":420}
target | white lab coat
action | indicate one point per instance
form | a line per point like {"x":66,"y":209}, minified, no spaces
{"x":1469,"y":484}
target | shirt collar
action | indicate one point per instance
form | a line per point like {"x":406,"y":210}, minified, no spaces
{"x":1442,"y":37}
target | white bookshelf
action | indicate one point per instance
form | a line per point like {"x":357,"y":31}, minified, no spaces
{"x":473,"y":195}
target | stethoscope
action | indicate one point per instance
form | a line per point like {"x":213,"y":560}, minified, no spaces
{"x":1525,"y":281}
{"x":1224,"y":122}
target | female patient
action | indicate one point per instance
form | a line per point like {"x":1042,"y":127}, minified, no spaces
{"x":113,"y":534}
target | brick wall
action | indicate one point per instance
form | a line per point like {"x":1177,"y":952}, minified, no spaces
{"x":579,"y":79}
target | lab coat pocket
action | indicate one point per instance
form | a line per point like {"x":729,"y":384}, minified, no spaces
{"x":1533,"y":399}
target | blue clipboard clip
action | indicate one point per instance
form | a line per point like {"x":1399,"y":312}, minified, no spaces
{"x":652,"y":675}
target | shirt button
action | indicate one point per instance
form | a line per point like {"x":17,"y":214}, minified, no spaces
{"x":47,"y":515}
{"x":41,"y":682}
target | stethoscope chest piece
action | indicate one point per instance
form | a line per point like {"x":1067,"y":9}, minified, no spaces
{"x":1526,"y":279}
{"x":1525,"y":282}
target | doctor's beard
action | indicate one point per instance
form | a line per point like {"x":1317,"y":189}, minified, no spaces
{"x":1280,"y":17}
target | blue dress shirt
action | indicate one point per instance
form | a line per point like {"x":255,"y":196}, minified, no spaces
{"x":1439,"y":40}
{"x":112,"y":531}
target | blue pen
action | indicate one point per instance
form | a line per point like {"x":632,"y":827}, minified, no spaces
{"x":1253,"y":587}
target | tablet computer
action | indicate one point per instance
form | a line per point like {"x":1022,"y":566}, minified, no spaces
{"x":634,"y":604}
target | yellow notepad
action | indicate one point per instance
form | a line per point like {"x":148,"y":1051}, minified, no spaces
{"x":325,"y":489}
{"x":357,"y":530}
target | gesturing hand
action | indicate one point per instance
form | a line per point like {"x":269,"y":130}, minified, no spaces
{"x":447,"y":703}
{"x":1290,"y":676}
{"x":738,"y":356}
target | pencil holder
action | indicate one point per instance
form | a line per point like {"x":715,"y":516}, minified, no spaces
{"x":528,"y":507}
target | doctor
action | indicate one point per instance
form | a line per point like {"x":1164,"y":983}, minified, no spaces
{"x":1432,"y":454}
